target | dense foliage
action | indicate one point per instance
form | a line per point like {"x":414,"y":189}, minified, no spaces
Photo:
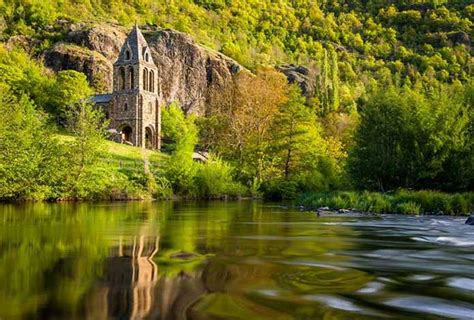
{"x":416,"y":139}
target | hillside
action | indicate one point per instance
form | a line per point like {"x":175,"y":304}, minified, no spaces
{"x":385,"y":97}
{"x":369,"y":35}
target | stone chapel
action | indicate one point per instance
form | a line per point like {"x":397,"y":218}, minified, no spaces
{"x":133,"y":108}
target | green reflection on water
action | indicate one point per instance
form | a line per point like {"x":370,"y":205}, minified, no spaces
{"x":165,"y":260}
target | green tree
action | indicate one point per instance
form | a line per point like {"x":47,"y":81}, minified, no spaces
{"x":327,"y":83}
{"x":70,"y":88}
{"x":30,"y":157}
{"x":296,"y":136}
{"x":181,"y":132}
{"x":406,"y":138}
{"x":88,"y":128}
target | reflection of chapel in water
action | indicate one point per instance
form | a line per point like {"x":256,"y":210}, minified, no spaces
{"x":131,"y":276}
{"x":132,"y":288}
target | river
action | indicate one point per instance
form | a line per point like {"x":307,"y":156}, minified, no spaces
{"x":229,"y":260}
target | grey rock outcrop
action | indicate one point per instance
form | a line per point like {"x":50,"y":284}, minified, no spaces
{"x":104,"y":39}
{"x":187,"y":70}
{"x":91,"y":50}
{"x":302,"y":76}
{"x":66,"y":56}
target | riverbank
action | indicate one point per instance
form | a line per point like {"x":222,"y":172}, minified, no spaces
{"x":403,"y":202}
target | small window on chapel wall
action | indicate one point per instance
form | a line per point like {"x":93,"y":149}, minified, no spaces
{"x":125,"y":107}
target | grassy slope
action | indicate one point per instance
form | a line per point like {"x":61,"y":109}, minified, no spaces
{"x":124,"y":156}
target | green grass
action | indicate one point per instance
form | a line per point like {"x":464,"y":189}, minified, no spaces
{"x":120,"y":173}
{"x":405,"y":202}
{"x":123,"y":156}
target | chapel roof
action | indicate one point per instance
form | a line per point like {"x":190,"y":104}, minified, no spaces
{"x":137,"y":47}
{"x":101,"y":98}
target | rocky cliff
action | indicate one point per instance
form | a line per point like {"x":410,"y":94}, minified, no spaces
{"x":186,"y":69}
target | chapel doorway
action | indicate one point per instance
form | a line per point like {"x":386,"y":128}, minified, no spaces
{"x":149,"y":138}
{"x":127,"y":134}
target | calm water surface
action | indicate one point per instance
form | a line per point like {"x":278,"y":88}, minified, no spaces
{"x":235,"y":260}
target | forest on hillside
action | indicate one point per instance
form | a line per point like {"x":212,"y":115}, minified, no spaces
{"x":392,"y":105}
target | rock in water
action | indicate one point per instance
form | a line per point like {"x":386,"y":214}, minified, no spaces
{"x":470,"y":220}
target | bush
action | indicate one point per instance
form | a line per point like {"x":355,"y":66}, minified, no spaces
{"x":214,"y":179}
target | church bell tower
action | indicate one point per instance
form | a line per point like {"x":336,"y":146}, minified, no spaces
{"x":135,"y":108}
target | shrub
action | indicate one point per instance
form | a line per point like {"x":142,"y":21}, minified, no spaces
{"x":164,"y":189}
{"x":214,"y":179}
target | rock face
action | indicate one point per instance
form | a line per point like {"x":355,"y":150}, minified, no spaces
{"x":65,"y":56}
{"x":104,"y":39}
{"x":301,"y":76}
{"x":186,"y":70}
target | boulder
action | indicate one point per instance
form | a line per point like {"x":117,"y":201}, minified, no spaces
{"x":470,"y":220}
{"x":460,"y":37}
{"x":302,"y":76}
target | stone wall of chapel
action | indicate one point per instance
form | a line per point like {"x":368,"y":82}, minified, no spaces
{"x":150,"y":114}
{"x":119,"y":116}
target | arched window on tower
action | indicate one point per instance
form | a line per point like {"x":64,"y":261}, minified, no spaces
{"x":122,"y":78}
{"x":131,"y":77}
{"x":145,"y":79}
{"x":127,"y":55}
{"x":152,"y":81}
{"x":125,"y":107}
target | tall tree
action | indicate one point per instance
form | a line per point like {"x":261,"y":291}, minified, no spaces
{"x":327,"y":84}
{"x":296,"y":137}
{"x":70,"y":88}
{"x":241,"y":120}
{"x":88,"y":127}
